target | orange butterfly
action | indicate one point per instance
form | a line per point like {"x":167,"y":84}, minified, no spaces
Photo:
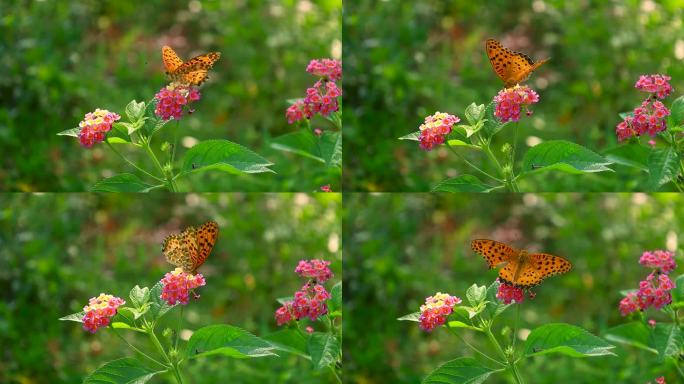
{"x":190,"y":248}
{"x":511,"y":67}
{"x":193,"y":71}
{"x":521,"y":268}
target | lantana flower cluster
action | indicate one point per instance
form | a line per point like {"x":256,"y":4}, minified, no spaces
{"x":508,"y":293}
{"x":311,"y":300}
{"x":649,"y":117}
{"x":655,"y":290}
{"x":95,"y":126}
{"x":177,"y":284}
{"x":173,"y":98}
{"x":509,"y":102}
{"x":436,"y":310}
{"x":435,"y":129}
{"x":99,"y":311}
{"x":322,"y":96}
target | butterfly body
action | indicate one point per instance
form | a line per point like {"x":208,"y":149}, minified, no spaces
{"x":191,"y":72}
{"x":511,"y":67}
{"x":190,"y":248}
{"x":520,"y":268}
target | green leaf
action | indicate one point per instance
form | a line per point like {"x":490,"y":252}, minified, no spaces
{"x":677,"y":111}
{"x":411,"y":136}
{"x":476,"y":294}
{"x":494,"y":307}
{"x":288,"y":340}
{"x":460,"y":324}
{"x":331,"y":148}
{"x":284,"y":300}
{"x":77,"y":317}
{"x":461,"y":143}
{"x":124,"y":182}
{"x":123,"y":325}
{"x":335,"y":303}
{"x":415,"y":316}
{"x":139,"y":296}
{"x":135,"y":111}
{"x":563,"y":156}
{"x":225,"y":156}
{"x":463,"y":183}
{"x":158,"y":307}
{"x":492,"y":124}
{"x":122,"y":371}
{"x":634,"y":334}
{"x":663,"y":166}
{"x":226,"y":340}
{"x":302,"y":142}
{"x":624,"y":115}
{"x":667,"y":339}
{"x":474,"y":113}
{"x":464,"y":370}
{"x":127,"y":315}
{"x":70,"y":132}
{"x":323,"y":349}
{"x":678,"y":291}
{"x":565,"y":339}
{"x":631,"y":155}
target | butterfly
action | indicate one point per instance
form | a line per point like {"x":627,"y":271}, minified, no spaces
{"x":193,"y":71}
{"x":511,"y":67}
{"x":190,"y":248}
{"x":521,"y":268}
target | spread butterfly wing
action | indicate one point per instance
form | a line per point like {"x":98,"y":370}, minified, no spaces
{"x":549,"y":265}
{"x":194,"y":77}
{"x":201,"y":62}
{"x":170,"y":59}
{"x":494,"y":252}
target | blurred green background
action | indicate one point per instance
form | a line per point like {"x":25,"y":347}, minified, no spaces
{"x":410,"y":59}
{"x":62,"y":59}
{"x":393,"y":262}
{"x":50,"y":265}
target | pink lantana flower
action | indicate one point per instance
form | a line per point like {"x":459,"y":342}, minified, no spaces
{"x":510,"y":101}
{"x":173,"y":98}
{"x":95,"y":126}
{"x":316,"y":269}
{"x":436,"y":310}
{"x":99,"y":311}
{"x":435,"y":129}
{"x":177,"y":285}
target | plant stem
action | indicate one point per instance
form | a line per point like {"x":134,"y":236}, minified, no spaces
{"x":679,"y":369}
{"x":332,"y":369}
{"x":180,"y":321}
{"x":132,"y":163}
{"x":174,"y":366}
{"x":512,"y":164}
{"x":169,"y":177}
{"x":463,"y":340}
{"x":510,"y":362}
{"x":495,"y":161}
{"x":139,"y":351}
{"x":473,"y":165}
{"x":515,"y":326}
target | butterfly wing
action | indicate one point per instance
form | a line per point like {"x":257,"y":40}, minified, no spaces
{"x":205,"y":237}
{"x":194,"y":77}
{"x":511,"y":67}
{"x":494,"y":252}
{"x":170,"y":59}
{"x":549,"y":265}
{"x":204,"y":62}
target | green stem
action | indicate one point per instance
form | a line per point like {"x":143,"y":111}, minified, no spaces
{"x":473,"y":165}
{"x":497,"y":346}
{"x":463,"y":340}
{"x":334,"y":372}
{"x":169,"y":177}
{"x":180,"y":321}
{"x":495,"y":161}
{"x":161,"y":350}
{"x":132,"y":163}
{"x":512,"y":164}
{"x":139,"y":351}
{"x":515,"y":326}
{"x":679,"y":369}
